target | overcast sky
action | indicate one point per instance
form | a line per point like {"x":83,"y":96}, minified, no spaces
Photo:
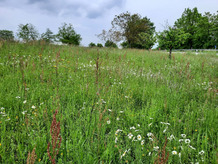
{"x":90,"y":17}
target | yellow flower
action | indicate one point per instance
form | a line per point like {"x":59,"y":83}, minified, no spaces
{"x":39,"y":159}
{"x":174,"y":148}
{"x":16,"y":117}
{"x":61,"y":153}
{"x":0,"y":144}
{"x":0,"y":122}
{"x":196,"y":130}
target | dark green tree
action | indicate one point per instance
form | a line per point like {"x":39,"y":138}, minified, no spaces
{"x":110,"y":44}
{"x":48,"y":36}
{"x":135,"y":30}
{"x":171,"y":38}
{"x":6,"y":35}
{"x":27,"y":32}
{"x":99,"y":45}
{"x":67,"y":35}
{"x":92,"y":44}
{"x":189,"y":24}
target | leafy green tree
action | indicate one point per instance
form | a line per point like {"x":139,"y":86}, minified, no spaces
{"x":48,"y":36}
{"x":6,"y":35}
{"x":189,"y":24}
{"x":99,"y":45}
{"x":27,"y":32}
{"x":135,"y":30}
{"x":172,"y":38}
{"x":67,"y":34}
{"x":110,"y":44}
{"x":92,"y":44}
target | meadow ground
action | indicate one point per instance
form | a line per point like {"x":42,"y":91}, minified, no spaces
{"x":114,"y":106}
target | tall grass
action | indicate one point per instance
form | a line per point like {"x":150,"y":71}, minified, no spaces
{"x":114,"y":106}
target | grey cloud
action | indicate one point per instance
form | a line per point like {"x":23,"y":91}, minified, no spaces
{"x":77,"y":8}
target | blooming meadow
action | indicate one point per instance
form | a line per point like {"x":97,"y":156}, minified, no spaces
{"x":68,"y":104}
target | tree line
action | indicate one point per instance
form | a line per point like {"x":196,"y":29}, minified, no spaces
{"x":192,"y":30}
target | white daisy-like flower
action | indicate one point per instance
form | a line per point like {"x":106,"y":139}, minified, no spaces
{"x":150,"y":135}
{"x":18,"y":97}
{"x":24,"y":101}
{"x":24,"y":112}
{"x":33,"y":107}
{"x":138,"y":125}
{"x":151,"y":139}
{"x":109,"y":110}
{"x":165,"y":129}
{"x":174,"y":152}
{"x":108,"y":121}
{"x":187,"y":141}
{"x":192,"y":147}
{"x":171,"y":137}
{"x":116,"y":139}
{"x":181,"y":140}
{"x":139,"y":137}
{"x":183,"y":135}
{"x":132,"y":128}
{"x":156,"y":148}
{"x":142,"y":142}
{"x":165,"y":123}
{"x":150,"y":124}
{"x":2,"y":108}
{"x":149,"y":154}
{"x":130,"y":135}
{"x":201,"y":152}
{"x":121,"y":111}
{"x":118,"y":118}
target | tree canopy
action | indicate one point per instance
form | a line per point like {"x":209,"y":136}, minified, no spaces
{"x":67,"y":35}
{"x":6,"y":35}
{"x":48,"y":36}
{"x":134,"y":30}
{"x":27,"y":32}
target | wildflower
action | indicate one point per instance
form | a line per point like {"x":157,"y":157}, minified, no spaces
{"x":156,"y":148}
{"x":196,"y":130}
{"x":138,"y":125}
{"x":104,"y":102}
{"x":121,"y":111}
{"x":150,"y":124}
{"x":61,"y":153}
{"x":139,"y":137}
{"x":108,"y":122}
{"x":192,"y":147}
{"x":126,"y":97}
{"x":149,"y":153}
{"x":130,"y":135}
{"x":142,"y":142}
{"x":33,"y":107}
{"x":116,"y":139}
{"x":109,"y":110}
{"x":2,"y":108}
{"x":179,"y":155}
{"x":171,"y":137}
{"x":132,"y":128}
{"x":183,"y":135}
{"x":187,"y":141}
{"x":149,"y":134}
{"x":42,"y":103}
{"x":24,"y":112}
{"x":118,"y":118}
{"x":18,"y":97}
{"x":0,"y":144}
{"x":174,"y":152}
{"x":165,"y":123}
{"x":165,"y":129}
{"x":180,"y":140}
{"x":201,"y":152}
{"x":150,"y":138}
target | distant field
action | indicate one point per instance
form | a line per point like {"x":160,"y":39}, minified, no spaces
{"x":114,"y":106}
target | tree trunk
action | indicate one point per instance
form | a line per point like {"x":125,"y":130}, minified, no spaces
{"x":170,"y":53}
